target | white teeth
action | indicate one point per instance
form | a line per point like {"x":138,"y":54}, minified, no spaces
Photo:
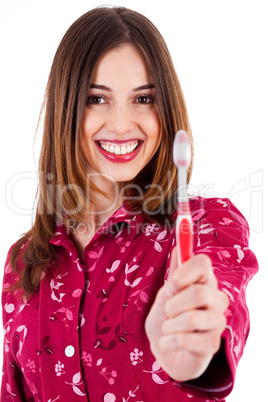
{"x":119,"y":149}
{"x":123,"y":150}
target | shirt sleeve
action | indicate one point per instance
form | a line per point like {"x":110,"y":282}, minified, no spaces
{"x":222,"y":233}
{"x":14,"y":387}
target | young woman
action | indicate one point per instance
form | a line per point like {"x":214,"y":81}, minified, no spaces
{"x":94,"y":306}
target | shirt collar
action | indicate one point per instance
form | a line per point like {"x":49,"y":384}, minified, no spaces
{"x":112,"y":225}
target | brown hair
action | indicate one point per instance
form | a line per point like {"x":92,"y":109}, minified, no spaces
{"x":61,"y":161}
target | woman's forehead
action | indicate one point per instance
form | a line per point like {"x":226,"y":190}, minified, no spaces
{"x":124,"y":65}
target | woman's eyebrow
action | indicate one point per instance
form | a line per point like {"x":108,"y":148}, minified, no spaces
{"x":102,"y":87}
{"x":147,"y":86}
{"x":105,"y":88}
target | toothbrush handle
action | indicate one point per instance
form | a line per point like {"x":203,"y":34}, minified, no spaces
{"x":184,"y":238}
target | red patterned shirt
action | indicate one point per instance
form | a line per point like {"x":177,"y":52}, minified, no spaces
{"x":82,"y":337}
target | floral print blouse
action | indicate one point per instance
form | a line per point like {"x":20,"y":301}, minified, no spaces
{"x":82,"y":337}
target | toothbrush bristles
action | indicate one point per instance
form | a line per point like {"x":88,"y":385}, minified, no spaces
{"x":181,"y":149}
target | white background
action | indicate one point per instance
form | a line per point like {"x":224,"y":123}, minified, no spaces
{"x":220,"y":54}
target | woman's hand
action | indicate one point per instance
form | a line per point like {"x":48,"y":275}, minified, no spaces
{"x":185,"y":323}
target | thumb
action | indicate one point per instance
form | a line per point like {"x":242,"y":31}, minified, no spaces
{"x":157,"y":313}
{"x":173,"y":261}
{"x":170,"y":289}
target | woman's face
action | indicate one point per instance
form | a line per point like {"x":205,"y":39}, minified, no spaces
{"x":121,"y":127}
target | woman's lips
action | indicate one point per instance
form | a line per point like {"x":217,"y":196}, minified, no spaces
{"x":119,"y":151}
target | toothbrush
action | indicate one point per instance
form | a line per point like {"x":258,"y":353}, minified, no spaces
{"x":184,"y":225}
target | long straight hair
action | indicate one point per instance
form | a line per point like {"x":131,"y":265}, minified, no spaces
{"x":61,"y":164}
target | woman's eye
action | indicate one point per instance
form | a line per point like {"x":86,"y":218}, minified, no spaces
{"x":145,"y":99}
{"x":95,"y":100}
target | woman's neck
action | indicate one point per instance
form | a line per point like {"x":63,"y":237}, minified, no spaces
{"x":101,"y":211}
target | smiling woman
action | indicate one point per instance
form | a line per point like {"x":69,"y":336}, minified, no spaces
{"x":95,"y":306}
{"x":90,"y":52}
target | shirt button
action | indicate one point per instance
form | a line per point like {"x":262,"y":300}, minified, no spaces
{"x":69,"y":351}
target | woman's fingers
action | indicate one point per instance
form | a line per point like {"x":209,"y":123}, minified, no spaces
{"x":194,"y":321}
{"x":194,"y":297}
{"x":200,"y":343}
{"x":198,"y":269}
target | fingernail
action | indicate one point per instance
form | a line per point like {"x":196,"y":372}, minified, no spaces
{"x":170,"y":290}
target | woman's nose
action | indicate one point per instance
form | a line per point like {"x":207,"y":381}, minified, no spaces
{"x":120,"y":120}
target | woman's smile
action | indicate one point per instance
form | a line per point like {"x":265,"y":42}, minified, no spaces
{"x":120,"y":153}
{"x":119,"y":149}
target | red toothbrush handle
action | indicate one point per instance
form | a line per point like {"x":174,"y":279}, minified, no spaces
{"x":184,"y":239}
